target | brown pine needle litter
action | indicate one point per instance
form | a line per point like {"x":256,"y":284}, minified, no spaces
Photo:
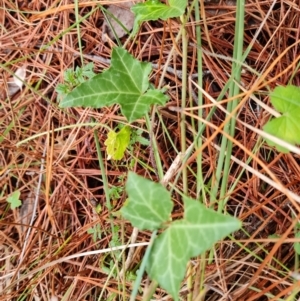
{"x":48,"y":248}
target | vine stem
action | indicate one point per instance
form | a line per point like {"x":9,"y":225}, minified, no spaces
{"x":142,"y":268}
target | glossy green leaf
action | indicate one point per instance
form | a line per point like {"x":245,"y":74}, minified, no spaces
{"x":154,"y":10}
{"x":125,"y":83}
{"x":14,"y":200}
{"x":287,"y":127}
{"x":117,"y":143}
{"x":200,"y":229}
{"x":149,"y":204}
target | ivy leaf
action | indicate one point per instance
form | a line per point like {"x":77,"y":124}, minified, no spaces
{"x":154,"y":10}
{"x":149,"y":204}
{"x":117,"y":143}
{"x":194,"y":234}
{"x":286,"y":100}
{"x":14,"y":200}
{"x":124,"y":83}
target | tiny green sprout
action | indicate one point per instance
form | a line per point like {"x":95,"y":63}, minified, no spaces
{"x":96,"y":232}
{"x":115,"y":192}
{"x":98,"y":208}
{"x":136,"y":136}
{"x":14,"y":200}
{"x":73,"y":78}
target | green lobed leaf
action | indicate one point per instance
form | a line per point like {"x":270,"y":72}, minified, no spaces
{"x":117,"y":143}
{"x":154,"y":10}
{"x":286,"y":99}
{"x":149,"y":204}
{"x":197,"y":232}
{"x":287,"y":127}
{"x":124,"y":83}
{"x":14,"y":199}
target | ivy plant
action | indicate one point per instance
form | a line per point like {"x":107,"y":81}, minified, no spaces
{"x":149,"y":207}
{"x":125,"y":83}
{"x":285,"y":100}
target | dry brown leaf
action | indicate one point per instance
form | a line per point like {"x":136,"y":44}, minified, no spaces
{"x":26,"y":211}
{"x":125,"y":16}
{"x":14,"y":84}
{"x":19,"y":77}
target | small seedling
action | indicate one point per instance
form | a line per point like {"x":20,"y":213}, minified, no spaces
{"x":96,"y":232}
{"x":73,"y":78}
{"x":14,"y":200}
{"x":108,"y":262}
{"x":115,"y":192}
{"x":136,"y":137}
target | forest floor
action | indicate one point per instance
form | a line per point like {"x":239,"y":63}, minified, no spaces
{"x":49,"y":155}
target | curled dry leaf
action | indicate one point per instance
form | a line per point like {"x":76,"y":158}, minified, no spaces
{"x":26,"y":212}
{"x":124,"y":15}
{"x":20,"y":77}
{"x":14,"y":84}
{"x":63,"y":146}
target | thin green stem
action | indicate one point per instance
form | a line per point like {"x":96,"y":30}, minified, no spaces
{"x":142,"y":268}
{"x":233,"y":90}
{"x":78,"y":30}
{"x":226,"y":146}
{"x":199,"y":179}
{"x":150,"y":291}
{"x":103,"y":174}
{"x":154,"y":148}
{"x":237,"y":60}
{"x":184,"y":88}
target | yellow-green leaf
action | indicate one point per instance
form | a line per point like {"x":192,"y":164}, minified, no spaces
{"x":117,"y":143}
